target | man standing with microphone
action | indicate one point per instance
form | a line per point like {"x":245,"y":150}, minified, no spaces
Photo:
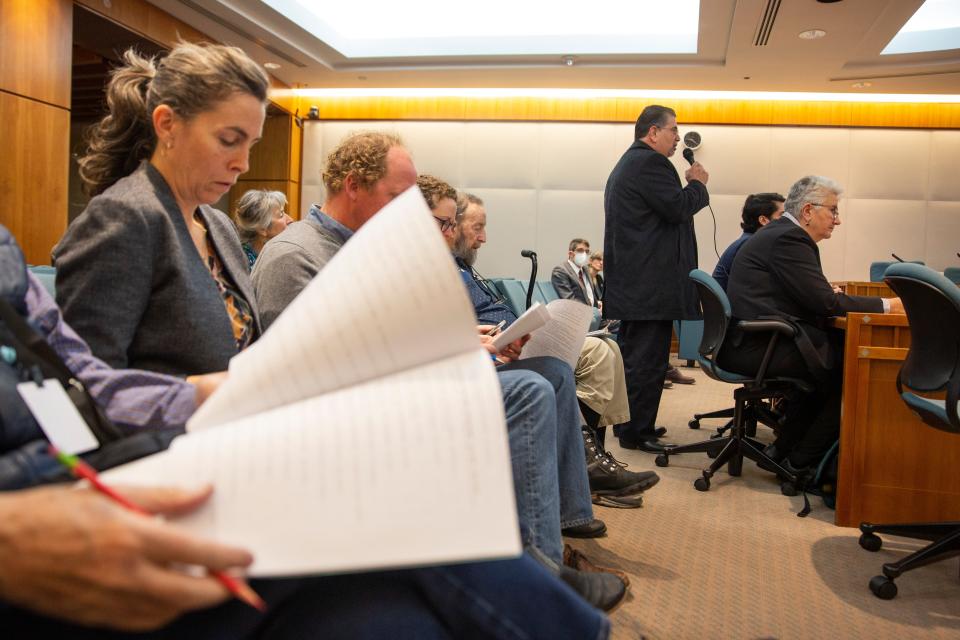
{"x":649,"y":248}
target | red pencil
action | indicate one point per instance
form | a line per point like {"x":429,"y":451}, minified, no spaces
{"x":240,"y":589}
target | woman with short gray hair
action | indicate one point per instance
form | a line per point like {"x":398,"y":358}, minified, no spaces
{"x":260,"y":216}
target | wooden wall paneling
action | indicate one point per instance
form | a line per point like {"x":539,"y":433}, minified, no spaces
{"x":33,"y":173}
{"x":36,"y":37}
{"x":689,"y":111}
{"x":270,"y":158}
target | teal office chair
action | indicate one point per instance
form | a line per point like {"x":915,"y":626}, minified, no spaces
{"x":877,"y":269}
{"x":753,"y":388}
{"x":546,"y":291}
{"x":932,"y":303}
{"x":952,"y":274}
{"x":514,"y":294}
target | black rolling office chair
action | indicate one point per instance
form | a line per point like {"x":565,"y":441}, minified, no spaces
{"x":932,"y":303}
{"x":731,"y":450}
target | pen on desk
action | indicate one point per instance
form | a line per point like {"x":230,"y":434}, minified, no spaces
{"x":83,"y":471}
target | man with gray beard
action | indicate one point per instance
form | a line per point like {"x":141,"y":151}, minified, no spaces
{"x":601,"y":388}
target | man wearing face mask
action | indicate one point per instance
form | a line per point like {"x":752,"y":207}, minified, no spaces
{"x":571,"y":279}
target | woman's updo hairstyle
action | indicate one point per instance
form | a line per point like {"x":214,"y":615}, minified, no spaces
{"x":191,"y":79}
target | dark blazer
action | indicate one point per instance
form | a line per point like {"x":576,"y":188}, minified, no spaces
{"x":649,"y":244}
{"x":132,"y":284}
{"x":567,"y":283}
{"x":778,"y":273}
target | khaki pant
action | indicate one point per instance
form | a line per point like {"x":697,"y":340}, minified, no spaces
{"x":600,"y":381}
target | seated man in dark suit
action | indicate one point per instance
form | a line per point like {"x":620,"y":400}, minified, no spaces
{"x":759,"y":209}
{"x":571,"y":279}
{"x":778,"y":273}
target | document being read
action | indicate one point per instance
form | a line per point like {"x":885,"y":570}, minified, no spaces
{"x":557,"y":329}
{"x":365,"y":429}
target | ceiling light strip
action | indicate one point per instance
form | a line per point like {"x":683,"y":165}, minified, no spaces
{"x":587,"y":94}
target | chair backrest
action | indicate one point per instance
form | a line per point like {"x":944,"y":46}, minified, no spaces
{"x":47,"y":276}
{"x":717,"y":315}
{"x":952,"y":274}
{"x":546,"y":290}
{"x":514,"y":294}
{"x":932,"y":303}
{"x":877,"y":269}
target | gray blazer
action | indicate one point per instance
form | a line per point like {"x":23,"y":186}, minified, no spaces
{"x":567,"y":284}
{"x":132,"y":284}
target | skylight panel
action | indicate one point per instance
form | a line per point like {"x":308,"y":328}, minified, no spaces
{"x":934,"y":27}
{"x":427,"y":28}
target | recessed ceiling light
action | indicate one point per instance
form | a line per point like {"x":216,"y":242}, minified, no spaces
{"x":271,"y":65}
{"x":861,"y":85}
{"x":811,"y":34}
{"x":503,"y":28}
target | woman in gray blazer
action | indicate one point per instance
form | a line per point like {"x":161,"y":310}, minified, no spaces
{"x":150,"y":275}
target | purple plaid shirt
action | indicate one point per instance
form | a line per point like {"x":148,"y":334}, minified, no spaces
{"x":131,"y":398}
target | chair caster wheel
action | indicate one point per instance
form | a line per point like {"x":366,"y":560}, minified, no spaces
{"x":694,"y":424}
{"x":788,"y":489}
{"x":870,"y":541}
{"x":883,"y":587}
{"x":701,"y":484}
{"x":662,"y":460}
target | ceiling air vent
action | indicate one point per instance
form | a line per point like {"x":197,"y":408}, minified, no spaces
{"x":765,"y":27}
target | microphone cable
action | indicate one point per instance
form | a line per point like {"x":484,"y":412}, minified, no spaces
{"x":688,"y":156}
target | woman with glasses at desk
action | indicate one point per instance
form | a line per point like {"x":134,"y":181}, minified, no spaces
{"x":778,"y":273}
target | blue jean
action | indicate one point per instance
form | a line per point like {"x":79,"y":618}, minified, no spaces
{"x":546,"y":448}
{"x":504,"y":600}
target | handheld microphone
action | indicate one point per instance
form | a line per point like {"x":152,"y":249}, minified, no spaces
{"x":688,"y":155}
{"x":529,"y":253}
{"x":898,"y":258}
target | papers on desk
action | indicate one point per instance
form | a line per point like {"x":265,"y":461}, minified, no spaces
{"x":361,"y":434}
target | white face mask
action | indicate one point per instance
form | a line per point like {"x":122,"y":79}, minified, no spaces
{"x":580,"y":258}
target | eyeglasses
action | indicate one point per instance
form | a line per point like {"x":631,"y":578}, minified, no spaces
{"x":445,"y":223}
{"x":834,"y":210}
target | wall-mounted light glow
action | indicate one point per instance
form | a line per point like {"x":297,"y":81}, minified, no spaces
{"x":587,"y":94}
{"x":812,"y":34}
{"x":934,"y":27}
{"x":425,"y":28}
{"x":271,"y":66}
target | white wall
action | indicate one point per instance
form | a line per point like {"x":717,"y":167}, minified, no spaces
{"x":543,"y":184}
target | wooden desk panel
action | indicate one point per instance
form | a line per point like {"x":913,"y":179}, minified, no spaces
{"x":893,"y":468}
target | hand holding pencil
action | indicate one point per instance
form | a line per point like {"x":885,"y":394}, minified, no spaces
{"x":77,"y":555}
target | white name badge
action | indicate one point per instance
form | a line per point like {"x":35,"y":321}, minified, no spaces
{"x":58,"y":417}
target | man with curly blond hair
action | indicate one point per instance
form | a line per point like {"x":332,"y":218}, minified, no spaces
{"x":365,"y":172}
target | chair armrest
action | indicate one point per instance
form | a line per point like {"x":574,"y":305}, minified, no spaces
{"x":768,"y":325}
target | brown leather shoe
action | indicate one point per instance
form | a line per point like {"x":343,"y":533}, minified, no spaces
{"x":674,"y":376}
{"x":576,"y":560}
